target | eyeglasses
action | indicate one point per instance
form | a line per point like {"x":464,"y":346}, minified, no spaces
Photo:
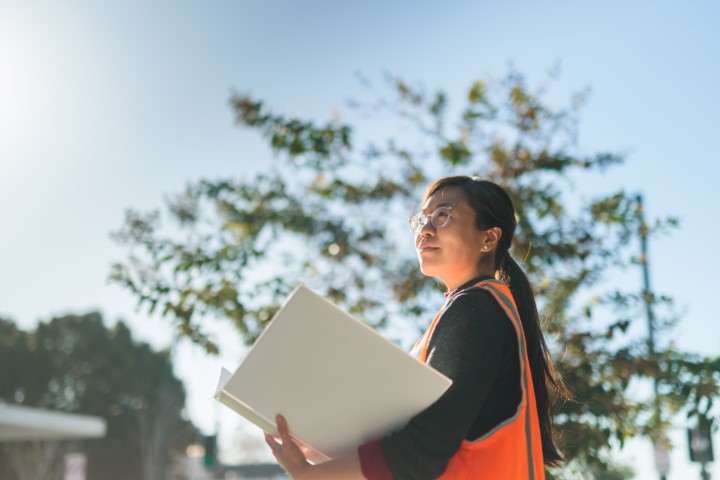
{"x":438,"y":219}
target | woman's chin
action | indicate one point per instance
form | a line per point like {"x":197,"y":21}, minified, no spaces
{"x":428,"y":269}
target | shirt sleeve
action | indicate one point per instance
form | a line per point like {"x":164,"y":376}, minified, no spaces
{"x":467,"y":346}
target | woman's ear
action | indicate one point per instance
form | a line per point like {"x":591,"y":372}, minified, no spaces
{"x":492,"y":237}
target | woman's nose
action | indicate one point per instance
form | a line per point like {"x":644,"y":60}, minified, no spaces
{"x":427,"y":229}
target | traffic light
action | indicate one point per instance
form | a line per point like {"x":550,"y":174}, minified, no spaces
{"x":210,"y":458}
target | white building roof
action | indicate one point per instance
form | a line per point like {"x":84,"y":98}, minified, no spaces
{"x":25,"y":423}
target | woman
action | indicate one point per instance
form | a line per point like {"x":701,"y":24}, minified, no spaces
{"x":495,"y":421}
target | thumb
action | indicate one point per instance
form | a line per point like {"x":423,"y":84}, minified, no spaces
{"x":283,"y":429}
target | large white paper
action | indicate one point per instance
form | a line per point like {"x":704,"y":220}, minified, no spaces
{"x":337,"y":381}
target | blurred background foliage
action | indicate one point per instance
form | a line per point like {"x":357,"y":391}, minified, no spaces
{"x":74,"y":363}
{"x":329,"y":211}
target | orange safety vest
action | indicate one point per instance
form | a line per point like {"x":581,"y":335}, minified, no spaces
{"x":513,"y":449}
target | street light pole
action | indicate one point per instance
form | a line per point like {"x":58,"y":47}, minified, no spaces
{"x":646,"y":279}
{"x":661,"y":455}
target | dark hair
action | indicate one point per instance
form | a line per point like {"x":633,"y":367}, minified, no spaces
{"x":494,"y":208}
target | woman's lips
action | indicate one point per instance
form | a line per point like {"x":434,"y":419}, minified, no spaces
{"x":426,"y":248}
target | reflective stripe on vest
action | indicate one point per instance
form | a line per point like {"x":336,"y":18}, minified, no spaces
{"x":513,"y":449}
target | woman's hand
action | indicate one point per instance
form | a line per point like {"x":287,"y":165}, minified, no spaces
{"x":287,"y":454}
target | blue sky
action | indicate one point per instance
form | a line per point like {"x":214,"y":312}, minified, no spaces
{"x":108,"y":106}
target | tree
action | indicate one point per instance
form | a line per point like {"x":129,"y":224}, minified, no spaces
{"x":76,"y":364}
{"x":34,"y":459}
{"x":327,"y":213}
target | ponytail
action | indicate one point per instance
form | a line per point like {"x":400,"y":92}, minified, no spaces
{"x":542,"y":367}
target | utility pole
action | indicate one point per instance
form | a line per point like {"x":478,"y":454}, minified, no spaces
{"x":662,"y":457}
{"x":647,"y":295}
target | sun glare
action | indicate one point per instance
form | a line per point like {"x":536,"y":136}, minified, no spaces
{"x":16,"y":83}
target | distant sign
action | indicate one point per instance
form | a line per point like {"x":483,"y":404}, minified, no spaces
{"x":662,"y":459}
{"x":700,"y":443}
{"x":75,"y":466}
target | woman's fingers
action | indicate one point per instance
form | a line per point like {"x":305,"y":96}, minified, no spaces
{"x":287,"y":453}
{"x":272,"y":443}
{"x":289,"y":446}
{"x":283,"y":429}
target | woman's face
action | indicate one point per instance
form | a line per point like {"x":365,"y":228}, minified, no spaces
{"x":451,"y":253}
